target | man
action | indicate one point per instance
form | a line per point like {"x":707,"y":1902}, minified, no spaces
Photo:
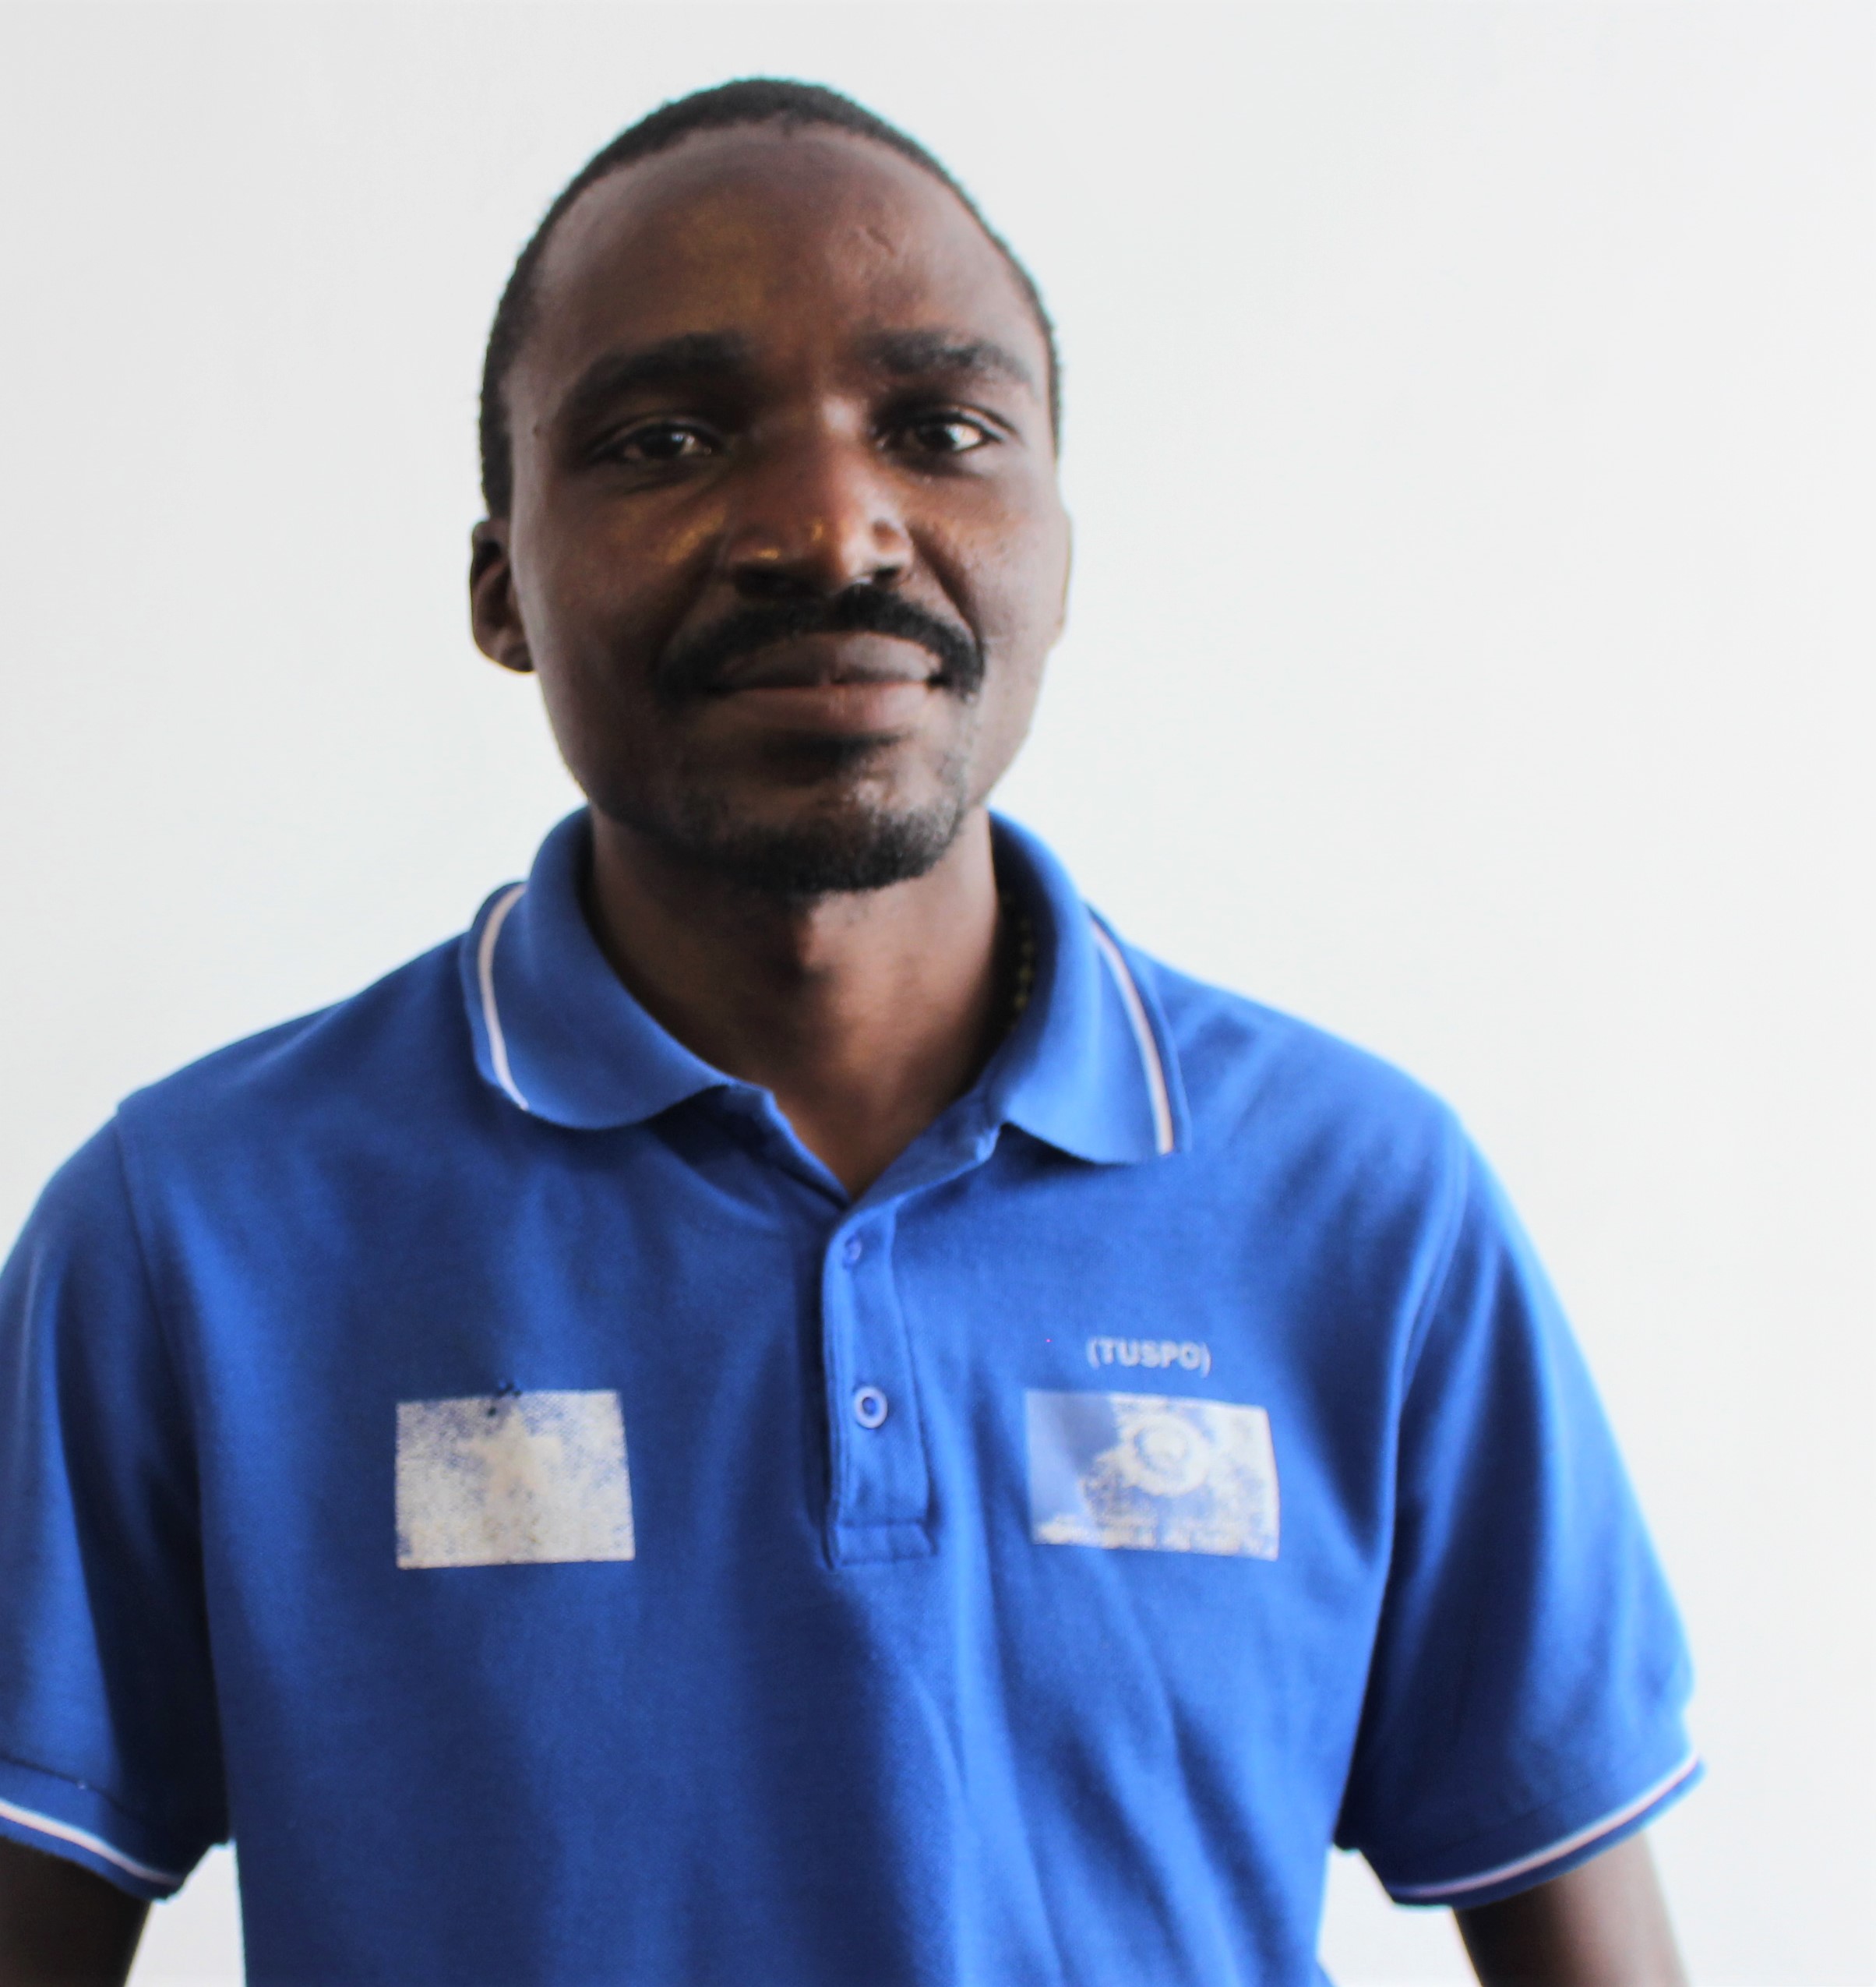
{"x":790,"y":1409}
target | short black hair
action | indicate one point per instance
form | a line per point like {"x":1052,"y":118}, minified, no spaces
{"x":755,"y":100}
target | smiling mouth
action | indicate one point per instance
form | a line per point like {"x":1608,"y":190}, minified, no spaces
{"x":852,"y":688}
{"x":832,"y":664}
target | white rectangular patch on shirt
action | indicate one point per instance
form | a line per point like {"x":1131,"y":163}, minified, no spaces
{"x":512,"y":1480}
{"x":1151,"y":1473}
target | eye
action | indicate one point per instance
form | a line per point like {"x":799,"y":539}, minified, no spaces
{"x":943,"y":434}
{"x":660,"y":442}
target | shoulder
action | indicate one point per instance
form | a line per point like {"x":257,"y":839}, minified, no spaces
{"x":395,"y":1053}
{"x":1245,"y":1067}
{"x":1337,"y":1153}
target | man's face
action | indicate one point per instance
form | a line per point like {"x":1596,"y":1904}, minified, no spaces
{"x":785,"y":544}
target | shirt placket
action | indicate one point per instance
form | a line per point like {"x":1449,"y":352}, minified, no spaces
{"x":879,"y":1505}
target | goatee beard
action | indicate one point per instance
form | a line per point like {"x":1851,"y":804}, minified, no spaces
{"x":849,"y":848}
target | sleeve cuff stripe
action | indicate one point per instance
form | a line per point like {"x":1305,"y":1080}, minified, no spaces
{"x":1459,"y":1886}
{"x":83,"y":1839}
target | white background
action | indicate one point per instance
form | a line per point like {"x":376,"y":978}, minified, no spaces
{"x":1469,"y":440}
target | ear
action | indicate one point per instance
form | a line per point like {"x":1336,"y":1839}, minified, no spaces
{"x":495,"y":614}
{"x":1068,"y":572}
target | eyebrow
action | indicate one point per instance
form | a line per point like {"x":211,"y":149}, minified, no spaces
{"x":692,"y":356}
{"x":907,"y":353}
{"x":681,"y":361}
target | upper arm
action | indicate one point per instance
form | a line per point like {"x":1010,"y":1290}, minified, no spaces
{"x":59,"y":1923}
{"x":1603,"y":1924}
{"x":1523,"y":1710}
{"x":109,"y":1748}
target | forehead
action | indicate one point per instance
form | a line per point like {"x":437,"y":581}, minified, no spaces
{"x":778,"y":235}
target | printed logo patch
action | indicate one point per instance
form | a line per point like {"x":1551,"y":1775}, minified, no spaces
{"x":1151,"y":1472}
{"x":508,"y":1480}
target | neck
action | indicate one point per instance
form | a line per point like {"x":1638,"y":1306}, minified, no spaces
{"x":864,"y":1015}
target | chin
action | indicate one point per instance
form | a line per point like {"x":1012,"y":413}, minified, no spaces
{"x":834,"y":849}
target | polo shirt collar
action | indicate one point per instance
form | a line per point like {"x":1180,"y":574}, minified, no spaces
{"x":1088,"y":1068}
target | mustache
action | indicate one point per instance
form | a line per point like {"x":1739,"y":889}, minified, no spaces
{"x":695,"y":667}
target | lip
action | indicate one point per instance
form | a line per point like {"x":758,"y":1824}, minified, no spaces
{"x":840,"y":661}
{"x":854,"y":708}
{"x":857,"y":685}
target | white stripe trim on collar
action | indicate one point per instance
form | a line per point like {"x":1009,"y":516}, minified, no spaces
{"x":63,"y":1832}
{"x":1420,"y":1892}
{"x":485,"y":974}
{"x":1157,"y":1092}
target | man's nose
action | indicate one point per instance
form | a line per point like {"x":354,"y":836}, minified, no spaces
{"x":815,"y":516}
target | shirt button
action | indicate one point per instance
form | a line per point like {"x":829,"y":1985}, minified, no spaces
{"x":870,"y":1407}
{"x":851,"y":1250}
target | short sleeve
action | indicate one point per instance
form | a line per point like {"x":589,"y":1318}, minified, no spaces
{"x":109,"y":1752}
{"x":1525,"y":1706}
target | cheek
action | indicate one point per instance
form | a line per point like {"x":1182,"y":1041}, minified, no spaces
{"x":1012,"y":568}
{"x":1023,"y":578}
{"x":601,"y":587}
{"x":1014,"y":682}
{"x":587,"y":621}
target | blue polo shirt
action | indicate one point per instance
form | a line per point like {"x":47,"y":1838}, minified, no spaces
{"x":465,"y":1446}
